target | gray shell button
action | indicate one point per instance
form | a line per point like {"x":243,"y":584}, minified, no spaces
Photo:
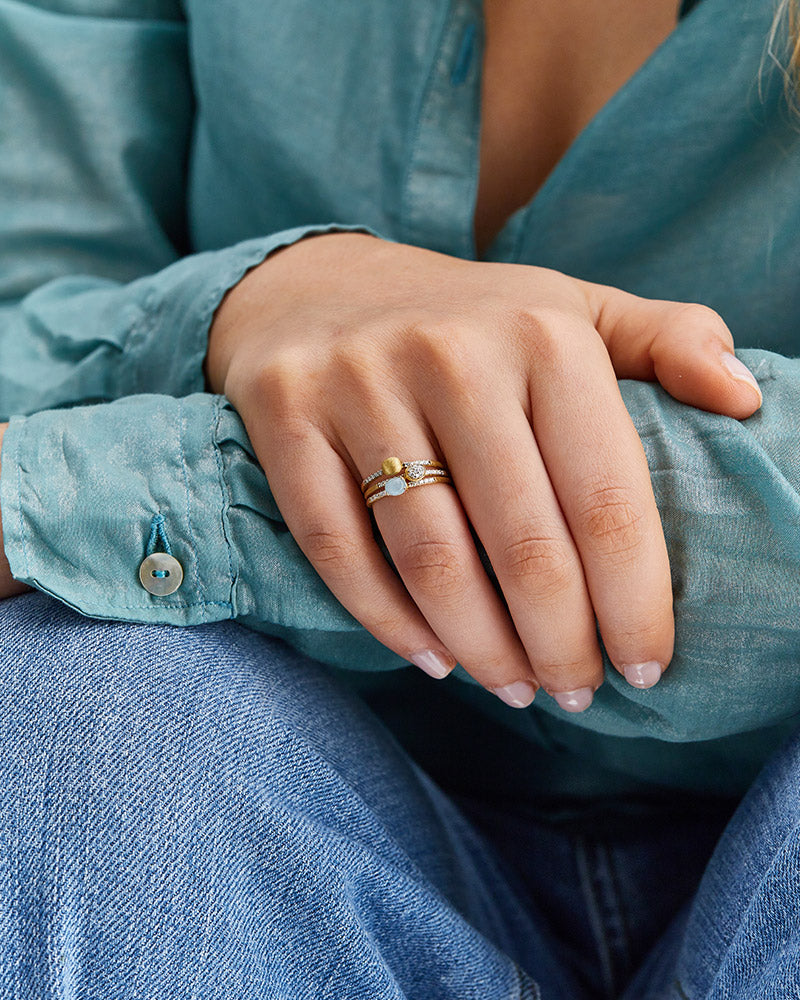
{"x":161,"y":574}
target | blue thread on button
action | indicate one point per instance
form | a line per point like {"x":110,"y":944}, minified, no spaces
{"x":160,"y":573}
{"x":464,"y":57}
{"x":158,"y":534}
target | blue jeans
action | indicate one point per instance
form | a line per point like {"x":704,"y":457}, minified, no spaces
{"x":202,"y":813}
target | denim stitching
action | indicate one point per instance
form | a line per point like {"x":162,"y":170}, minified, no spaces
{"x":584,"y":866}
{"x":526,"y":990}
{"x":608,"y":882}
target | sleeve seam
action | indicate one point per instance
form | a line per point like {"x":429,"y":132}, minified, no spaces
{"x":192,"y":539}
{"x":20,"y":516}
{"x":224,"y":497}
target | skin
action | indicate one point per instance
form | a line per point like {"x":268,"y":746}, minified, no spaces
{"x":343,"y":350}
{"x":340,"y":351}
{"x":549,"y":66}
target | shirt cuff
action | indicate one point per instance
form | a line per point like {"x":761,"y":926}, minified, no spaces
{"x":166,"y":346}
{"x":79,"y":492}
{"x":88,"y":494}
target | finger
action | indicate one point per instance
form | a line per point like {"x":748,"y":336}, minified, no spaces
{"x":428,"y":536}
{"x":330,"y":522}
{"x":687,"y":347}
{"x":597,"y":465}
{"x":508,"y":497}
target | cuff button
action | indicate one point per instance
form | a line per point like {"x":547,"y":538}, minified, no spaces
{"x":160,"y":574}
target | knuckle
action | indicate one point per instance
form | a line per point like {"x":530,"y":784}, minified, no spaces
{"x":644,"y":632}
{"x":329,"y":549}
{"x":433,"y":569}
{"x":353,"y":360}
{"x":612,"y":520}
{"x":387,"y":622}
{"x":698,"y":315}
{"x":543,"y":561}
{"x":539,"y":334}
{"x":279,"y":387}
{"x":571,"y":672}
{"x":353,"y":374}
{"x":442,"y":351}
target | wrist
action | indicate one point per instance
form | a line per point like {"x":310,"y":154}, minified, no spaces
{"x":270,"y":288}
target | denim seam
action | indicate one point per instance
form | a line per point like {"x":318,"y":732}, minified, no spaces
{"x":612,"y":903}
{"x":583,"y":864}
{"x":526,"y":990}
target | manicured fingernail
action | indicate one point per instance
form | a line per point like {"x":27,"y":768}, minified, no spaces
{"x":518,"y":695}
{"x":574,"y":701}
{"x":435,"y":664}
{"x":643,"y":675}
{"x":741,"y":372}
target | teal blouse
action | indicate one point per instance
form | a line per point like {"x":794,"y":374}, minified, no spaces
{"x":152,"y":151}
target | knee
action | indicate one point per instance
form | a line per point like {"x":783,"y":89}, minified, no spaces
{"x":83,"y":700}
{"x":114,"y":695}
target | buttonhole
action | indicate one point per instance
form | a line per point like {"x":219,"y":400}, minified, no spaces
{"x":160,"y":573}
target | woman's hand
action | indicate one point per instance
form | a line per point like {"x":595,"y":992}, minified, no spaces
{"x":8,"y":585}
{"x":343,"y":350}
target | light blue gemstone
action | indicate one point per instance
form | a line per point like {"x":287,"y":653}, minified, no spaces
{"x":394,"y":487}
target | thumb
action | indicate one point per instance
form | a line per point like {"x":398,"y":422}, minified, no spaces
{"x":686,"y":347}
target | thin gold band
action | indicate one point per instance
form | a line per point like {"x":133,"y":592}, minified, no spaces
{"x":395,"y":477}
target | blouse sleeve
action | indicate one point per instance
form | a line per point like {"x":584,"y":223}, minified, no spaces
{"x":80,"y":488}
{"x":96,"y":116}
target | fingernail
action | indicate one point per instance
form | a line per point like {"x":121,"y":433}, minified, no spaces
{"x":643,"y":675}
{"x":434,"y":664}
{"x":574,"y":701}
{"x":518,"y":695}
{"x":741,"y":372}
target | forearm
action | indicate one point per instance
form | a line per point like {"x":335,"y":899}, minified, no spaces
{"x":8,"y":585}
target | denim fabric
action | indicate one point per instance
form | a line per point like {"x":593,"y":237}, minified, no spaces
{"x":152,"y":151}
{"x":204,"y":813}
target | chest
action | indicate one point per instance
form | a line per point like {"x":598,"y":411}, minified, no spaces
{"x":421,"y":118}
{"x":548,"y":68}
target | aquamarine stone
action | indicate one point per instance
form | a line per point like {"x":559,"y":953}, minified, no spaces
{"x":394,"y":487}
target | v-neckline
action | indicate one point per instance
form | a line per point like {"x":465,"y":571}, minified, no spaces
{"x":501,"y":246}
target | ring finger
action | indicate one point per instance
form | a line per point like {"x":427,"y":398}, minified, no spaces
{"x":428,"y":537}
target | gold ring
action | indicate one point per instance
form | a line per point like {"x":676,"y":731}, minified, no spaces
{"x":395,"y":477}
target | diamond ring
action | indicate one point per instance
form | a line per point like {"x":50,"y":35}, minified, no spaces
{"x":395,"y":477}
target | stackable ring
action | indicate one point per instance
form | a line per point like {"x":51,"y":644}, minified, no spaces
{"x":395,"y":477}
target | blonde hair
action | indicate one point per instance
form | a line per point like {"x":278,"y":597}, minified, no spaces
{"x":783,"y":47}
{"x":794,"y":36}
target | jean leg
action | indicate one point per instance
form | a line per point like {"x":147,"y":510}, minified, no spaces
{"x":739,"y":939}
{"x":203,"y":813}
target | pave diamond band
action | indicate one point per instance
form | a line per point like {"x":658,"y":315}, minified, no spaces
{"x":395,"y":477}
